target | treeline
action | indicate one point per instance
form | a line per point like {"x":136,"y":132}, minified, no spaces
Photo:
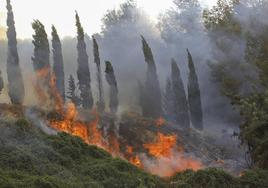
{"x":48,"y":79}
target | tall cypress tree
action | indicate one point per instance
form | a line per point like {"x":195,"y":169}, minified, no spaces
{"x":15,"y":81}
{"x":41,"y":62}
{"x":110,"y":78}
{"x":1,"y":82}
{"x":194,"y":97}
{"x":71,"y":93}
{"x":58,"y":66}
{"x":101,"y":103}
{"x":152,"y":93}
{"x":181,"y":109}
{"x":83,"y":73}
{"x":168,"y":101}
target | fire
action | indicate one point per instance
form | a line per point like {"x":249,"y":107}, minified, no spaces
{"x":136,"y":161}
{"x":46,"y":89}
{"x":163,"y":146}
{"x":169,"y":158}
{"x":166,"y":156}
{"x":81,"y":131}
{"x":160,"y":122}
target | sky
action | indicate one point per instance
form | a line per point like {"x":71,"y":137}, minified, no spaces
{"x":61,"y":13}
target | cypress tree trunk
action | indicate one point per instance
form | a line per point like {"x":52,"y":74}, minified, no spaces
{"x":83,"y":73}
{"x":41,"y":63}
{"x":101,"y":103}
{"x":180,"y":101}
{"x":110,"y":78}
{"x":152,"y":93}
{"x":15,"y":81}
{"x":194,"y":97}
{"x":58,"y":66}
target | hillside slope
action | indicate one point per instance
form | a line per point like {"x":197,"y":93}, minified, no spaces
{"x":29,"y":158}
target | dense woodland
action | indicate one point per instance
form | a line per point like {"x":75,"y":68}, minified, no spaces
{"x":205,"y":69}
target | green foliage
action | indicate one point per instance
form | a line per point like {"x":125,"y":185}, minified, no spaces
{"x":80,"y":30}
{"x":41,"y":44}
{"x":209,"y":178}
{"x":58,"y":66}
{"x":254,"y":130}
{"x":181,"y":108}
{"x":33,"y":159}
{"x":152,"y":98}
{"x":194,"y":97}
{"x":71,"y":93}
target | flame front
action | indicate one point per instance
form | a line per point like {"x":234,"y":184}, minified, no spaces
{"x":166,"y":156}
{"x":169,"y":157}
{"x":163,"y":146}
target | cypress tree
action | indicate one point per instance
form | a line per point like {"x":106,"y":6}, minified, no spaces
{"x":110,"y":78}
{"x":152,"y":93}
{"x":1,"y":82}
{"x":58,"y":66}
{"x":41,"y":62}
{"x":168,"y":101}
{"x":101,"y":104}
{"x":15,"y":81}
{"x":194,"y":97}
{"x":71,"y":93}
{"x":180,"y":102}
{"x":83,"y":73}
{"x":141,"y":96}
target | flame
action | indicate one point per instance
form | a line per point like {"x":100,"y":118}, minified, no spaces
{"x":46,"y":89}
{"x":163,"y":146}
{"x":136,"y":161}
{"x":160,"y":122}
{"x":166,"y":156}
{"x":169,"y":158}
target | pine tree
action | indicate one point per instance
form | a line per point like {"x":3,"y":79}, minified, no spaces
{"x":180,"y":102}
{"x":15,"y":81}
{"x":152,"y":93}
{"x":194,"y":97}
{"x":58,"y":66}
{"x":71,"y":93}
{"x":41,"y":63}
{"x":110,"y":78}
{"x":101,"y":103}
{"x":83,"y":73}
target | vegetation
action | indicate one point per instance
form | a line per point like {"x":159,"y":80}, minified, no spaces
{"x":110,"y":78}
{"x":152,"y":94}
{"x":180,"y":101}
{"x":194,"y":97}
{"x":58,"y":66}
{"x":101,"y":103}
{"x":71,"y":93}
{"x":83,"y":73}
{"x":234,"y":75}
{"x":15,"y":81}
{"x":29,"y":158}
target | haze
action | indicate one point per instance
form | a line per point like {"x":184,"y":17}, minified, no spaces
{"x":91,"y":12}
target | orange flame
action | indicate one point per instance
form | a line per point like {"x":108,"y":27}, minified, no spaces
{"x":163,"y":146}
{"x":160,"y":122}
{"x":168,"y":156}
